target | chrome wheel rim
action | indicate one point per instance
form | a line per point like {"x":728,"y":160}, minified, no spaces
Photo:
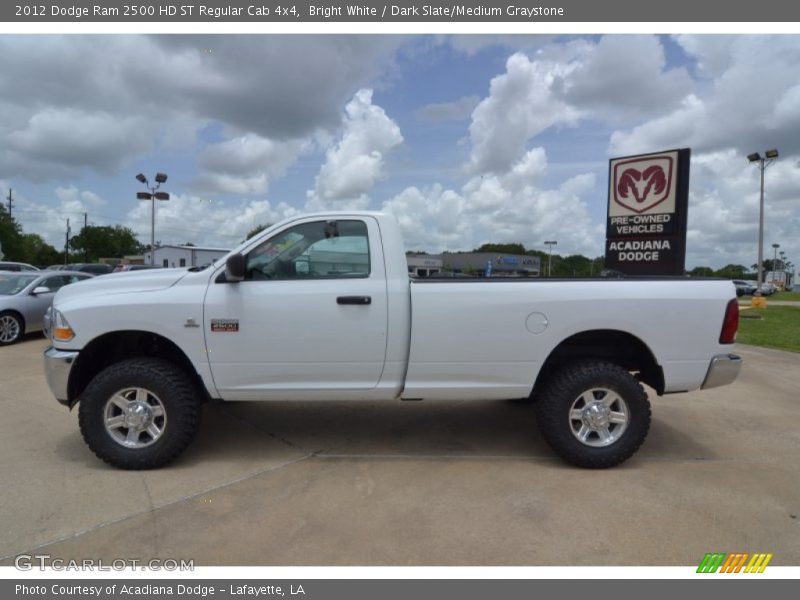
{"x":134,"y":417}
{"x":9,"y":328}
{"x":598,"y":417}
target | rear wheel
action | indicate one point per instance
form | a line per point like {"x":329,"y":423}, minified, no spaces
{"x":139,"y":413}
{"x":11,"y":328}
{"x":594,"y":414}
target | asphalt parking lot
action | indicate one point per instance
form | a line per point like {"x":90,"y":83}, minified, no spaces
{"x":414,"y":483}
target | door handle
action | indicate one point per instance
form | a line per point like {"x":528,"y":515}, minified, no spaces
{"x":362,"y":300}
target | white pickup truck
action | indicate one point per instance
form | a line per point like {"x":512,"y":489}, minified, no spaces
{"x":322,"y":307}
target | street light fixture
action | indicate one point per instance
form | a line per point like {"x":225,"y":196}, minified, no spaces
{"x":762,"y":163}
{"x":550,"y":243}
{"x":152,"y":195}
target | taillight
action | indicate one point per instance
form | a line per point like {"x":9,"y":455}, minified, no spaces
{"x":730,"y":324}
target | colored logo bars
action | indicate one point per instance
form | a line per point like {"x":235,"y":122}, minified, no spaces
{"x":734,"y":563}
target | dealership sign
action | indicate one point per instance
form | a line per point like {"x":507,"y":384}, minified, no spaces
{"x":647,"y":203}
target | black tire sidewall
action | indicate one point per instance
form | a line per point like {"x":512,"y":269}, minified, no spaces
{"x":173,"y":389}
{"x":562,"y":391}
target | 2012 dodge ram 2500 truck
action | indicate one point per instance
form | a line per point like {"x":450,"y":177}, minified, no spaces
{"x":322,"y":307}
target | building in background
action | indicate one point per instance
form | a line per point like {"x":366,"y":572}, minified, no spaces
{"x":184,"y":256}
{"x":424,"y":265}
{"x":478,"y":264}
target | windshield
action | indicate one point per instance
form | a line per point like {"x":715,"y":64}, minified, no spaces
{"x":14,"y":283}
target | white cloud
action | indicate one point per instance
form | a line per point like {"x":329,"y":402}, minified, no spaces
{"x":75,"y":103}
{"x":72,"y":138}
{"x":624,"y":77}
{"x":748,"y":104}
{"x":356,"y":162}
{"x":188,"y":218}
{"x":245,"y":165}
{"x":521,"y":104}
{"x":513,"y":206}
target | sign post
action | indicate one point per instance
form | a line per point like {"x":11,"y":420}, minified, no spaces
{"x":648,"y":197}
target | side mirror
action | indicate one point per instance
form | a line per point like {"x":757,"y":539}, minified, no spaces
{"x":40,"y":289}
{"x":235,"y":268}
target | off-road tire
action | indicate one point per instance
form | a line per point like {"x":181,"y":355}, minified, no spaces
{"x":176,"y":391}
{"x":562,"y":390}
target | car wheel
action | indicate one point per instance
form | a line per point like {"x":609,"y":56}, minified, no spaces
{"x":11,"y":328}
{"x":139,"y":413}
{"x":594,"y":414}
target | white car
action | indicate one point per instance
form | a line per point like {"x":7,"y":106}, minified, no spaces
{"x":321,"y":307}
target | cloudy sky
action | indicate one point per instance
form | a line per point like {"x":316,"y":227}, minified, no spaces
{"x":466,"y":139}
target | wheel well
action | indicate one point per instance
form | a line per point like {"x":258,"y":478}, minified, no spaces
{"x":618,"y":347}
{"x":114,"y":347}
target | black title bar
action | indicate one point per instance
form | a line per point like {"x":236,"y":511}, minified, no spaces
{"x":509,"y":11}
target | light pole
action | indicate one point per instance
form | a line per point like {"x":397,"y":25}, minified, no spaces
{"x":550,"y":243}
{"x":762,"y":162}
{"x":152,"y":195}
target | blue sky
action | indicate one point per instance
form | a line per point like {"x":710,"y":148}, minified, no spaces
{"x":467,"y":139}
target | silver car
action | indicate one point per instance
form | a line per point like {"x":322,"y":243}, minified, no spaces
{"x":26,"y":296}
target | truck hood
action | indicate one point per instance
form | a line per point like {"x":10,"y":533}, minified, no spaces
{"x":122,"y":283}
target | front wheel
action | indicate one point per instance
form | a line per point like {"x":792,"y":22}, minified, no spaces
{"x":11,"y":328}
{"x":594,"y":414}
{"x":140,"y":413}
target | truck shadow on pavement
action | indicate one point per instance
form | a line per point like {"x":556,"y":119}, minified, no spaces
{"x":491,"y":430}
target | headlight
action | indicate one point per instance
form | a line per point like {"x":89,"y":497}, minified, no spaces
{"x":62,"y":332}
{"x":46,"y":319}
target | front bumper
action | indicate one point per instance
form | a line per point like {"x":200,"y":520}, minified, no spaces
{"x":57,"y":367}
{"x":724,"y":369}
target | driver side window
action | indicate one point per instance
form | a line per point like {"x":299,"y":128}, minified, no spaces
{"x":317,"y":250}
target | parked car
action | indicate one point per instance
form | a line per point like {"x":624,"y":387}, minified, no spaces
{"x":767,"y":289}
{"x":25,"y":297}
{"x":16,"y":266}
{"x":744,"y":288}
{"x":93,"y":268}
{"x":57,"y":268}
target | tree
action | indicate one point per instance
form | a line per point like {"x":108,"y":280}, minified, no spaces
{"x":256,"y":230}
{"x":106,"y":242}
{"x":702,"y":272}
{"x":512,"y":248}
{"x":38,"y":252}
{"x":10,"y":236}
{"x":731,"y":272}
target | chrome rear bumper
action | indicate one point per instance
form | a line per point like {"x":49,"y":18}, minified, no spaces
{"x":57,"y":367}
{"x":724,"y":369}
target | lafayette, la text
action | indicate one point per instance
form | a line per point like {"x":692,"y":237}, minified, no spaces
{"x":149,"y":589}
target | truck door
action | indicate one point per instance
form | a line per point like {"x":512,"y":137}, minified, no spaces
{"x":310,"y":318}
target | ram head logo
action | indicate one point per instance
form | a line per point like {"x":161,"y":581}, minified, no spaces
{"x":641,"y":184}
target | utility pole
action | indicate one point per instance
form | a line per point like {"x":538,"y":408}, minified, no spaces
{"x":85,"y":245}
{"x":10,"y":199}
{"x":66,"y":245}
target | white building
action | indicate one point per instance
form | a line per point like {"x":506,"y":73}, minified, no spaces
{"x":185,"y":256}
